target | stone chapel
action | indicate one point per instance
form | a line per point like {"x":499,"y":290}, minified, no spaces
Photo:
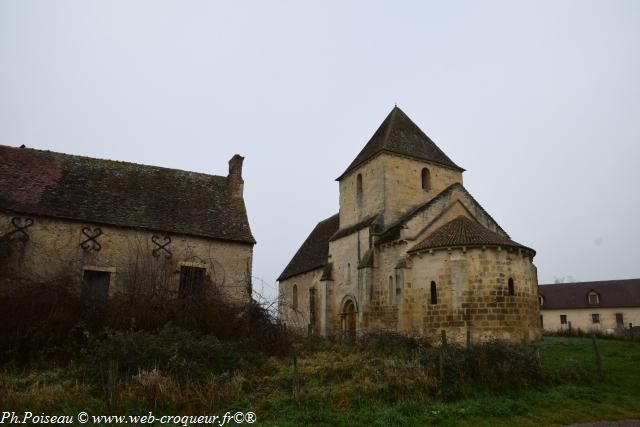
{"x":410,"y":251}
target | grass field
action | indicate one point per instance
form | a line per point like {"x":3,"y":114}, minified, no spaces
{"x":616,"y":397}
{"x":344,"y":385}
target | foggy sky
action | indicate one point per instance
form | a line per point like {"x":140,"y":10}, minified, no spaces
{"x":539,"y":101}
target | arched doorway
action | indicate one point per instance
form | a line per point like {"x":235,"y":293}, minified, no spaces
{"x":349,"y":314}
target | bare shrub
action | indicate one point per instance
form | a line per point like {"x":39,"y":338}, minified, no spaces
{"x":36,"y":316}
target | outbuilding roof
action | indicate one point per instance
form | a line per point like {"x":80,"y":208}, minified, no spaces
{"x":45,"y":183}
{"x":611,"y":293}
{"x":400,"y":135}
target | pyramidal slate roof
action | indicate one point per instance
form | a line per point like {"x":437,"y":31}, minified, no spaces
{"x":45,"y":183}
{"x":399,"y":134}
{"x":612,"y":293}
{"x":314,"y":252}
{"x":462,"y":231}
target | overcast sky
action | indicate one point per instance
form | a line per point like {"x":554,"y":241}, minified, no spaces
{"x":539,"y":101}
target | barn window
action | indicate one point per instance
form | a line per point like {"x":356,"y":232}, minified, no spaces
{"x":426,"y":179}
{"x":595,"y":318}
{"x":294,"y":298}
{"x":359,"y":192}
{"x":95,"y":286}
{"x":434,"y":293}
{"x":594,"y":298}
{"x":563,"y":319}
{"x":191,"y":281}
{"x":619,"y":320}
{"x":511,"y":288}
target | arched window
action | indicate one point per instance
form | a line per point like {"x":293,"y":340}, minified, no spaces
{"x":512,"y":290}
{"x":594,"y":298}
{"x":359,"y":188}
{"x":294,"y":298}
{"x":399,"y":284}
{"x":392,"y":290}
{"x":426,"y":179}
{"x":434,"y":293}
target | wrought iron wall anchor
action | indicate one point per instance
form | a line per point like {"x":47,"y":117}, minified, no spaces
{"x":91,"y":242}
{"x":19,"y":225}
{"x":161,"y":246}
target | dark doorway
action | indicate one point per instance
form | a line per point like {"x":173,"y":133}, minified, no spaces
{"x":95,"y":286}
{"x":192,"y":281}
{"x":349,"y":321}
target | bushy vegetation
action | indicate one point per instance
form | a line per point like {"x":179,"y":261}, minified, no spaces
{"x":147,"y":350}
{"x":334,"y":383}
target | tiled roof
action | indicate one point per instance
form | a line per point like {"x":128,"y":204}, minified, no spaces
{"x":314,"y":252}
{"x":462,"y":231}
{"x":398,"y":134}
{"x":355,"y":227}
{"x":612,"y":293}
{"x":392,"y":232}
{"x":122,"y":194}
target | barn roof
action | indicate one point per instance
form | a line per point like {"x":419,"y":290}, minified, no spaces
{"x":612,"y":293}
{"x":45,"y":183}
{"x":400,"y":135}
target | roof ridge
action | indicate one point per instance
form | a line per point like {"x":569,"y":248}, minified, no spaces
{"x":119,"y":162}
{"x":399,"y":134}
{"x":592,"y":282}
{"x":392,"y":117}
{"x":123,"y":194}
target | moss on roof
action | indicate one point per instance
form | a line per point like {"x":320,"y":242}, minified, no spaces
{"x":119,"y":193}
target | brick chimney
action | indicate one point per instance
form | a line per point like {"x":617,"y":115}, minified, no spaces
{"x":234,"y":179}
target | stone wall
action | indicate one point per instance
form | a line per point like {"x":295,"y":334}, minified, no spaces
{"x":345,"y":254}
{"x":444,"y":210}
{"x":297,"y":316}
{"x":391,"y":185}
{"x":372,"y":202}
{"x":403,"y":184}
{"x":394,"y":293}
{"x":472,"y":294}
{"x":53,"y":251}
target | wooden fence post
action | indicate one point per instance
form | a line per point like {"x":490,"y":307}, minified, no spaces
{"x":442,"y":356}
{"x":296,"y":378}
{"x":596,"y":349}
{"x":468,"y":338}
{"x":538,"y":358}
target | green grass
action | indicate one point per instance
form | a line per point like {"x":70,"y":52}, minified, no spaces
{"x":616,"y":397}
{"x":344,"y":385}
